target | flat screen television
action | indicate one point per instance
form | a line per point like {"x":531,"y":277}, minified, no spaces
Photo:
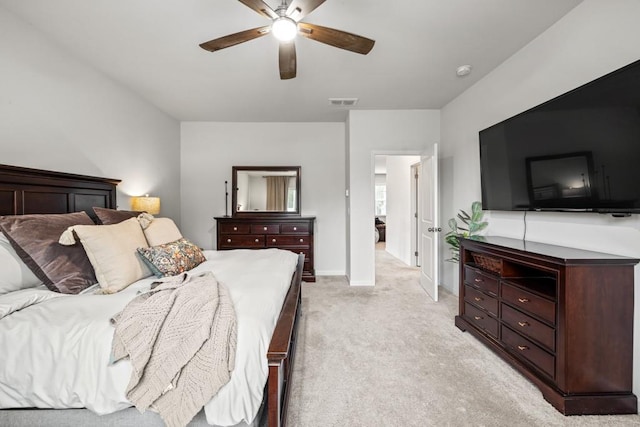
{"x":579,"y":152}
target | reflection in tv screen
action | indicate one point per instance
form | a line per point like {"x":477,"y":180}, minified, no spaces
{"x":577,"y":152}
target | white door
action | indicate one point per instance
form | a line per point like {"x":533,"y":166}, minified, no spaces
{"x":429,"y":227}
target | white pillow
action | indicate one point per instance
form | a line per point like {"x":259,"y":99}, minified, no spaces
{"x":14,"y":273}
{"x":161,"y":231}
{"x":112,"y":251}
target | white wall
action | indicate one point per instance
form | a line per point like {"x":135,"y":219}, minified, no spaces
{"x":593,"y":39}
{"x":57,"y":113}
{"x":209,"y":150}
{"x":369,"y":133}
{"x":399,"y":213}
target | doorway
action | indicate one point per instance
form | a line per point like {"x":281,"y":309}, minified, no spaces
{"x":395,"y":208}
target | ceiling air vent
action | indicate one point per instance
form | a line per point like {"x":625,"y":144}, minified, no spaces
{"x":343,"y":102}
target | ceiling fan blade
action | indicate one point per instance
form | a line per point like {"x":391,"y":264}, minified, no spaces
{"x":234,"y":39}
{"x":261,"y":7}
{"x":298,"y":9}
{"x":287,"y":59}
{"x":336,"y":38}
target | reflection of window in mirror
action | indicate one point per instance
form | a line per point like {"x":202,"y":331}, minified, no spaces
{"x":291,"y":195}
{"x":381,"y":199}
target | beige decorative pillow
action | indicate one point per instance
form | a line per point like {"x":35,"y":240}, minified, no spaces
{"x":112,"y":251}
{"x":161,"y":231}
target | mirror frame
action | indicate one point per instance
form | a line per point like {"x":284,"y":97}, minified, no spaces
{"x":249,"y":214}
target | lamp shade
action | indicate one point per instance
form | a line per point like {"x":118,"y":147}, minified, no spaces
{"x":145,"y":203}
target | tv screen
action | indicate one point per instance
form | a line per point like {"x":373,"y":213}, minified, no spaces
{"x":577,"y":152}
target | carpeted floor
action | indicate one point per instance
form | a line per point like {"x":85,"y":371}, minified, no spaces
{"x":390,"y":356}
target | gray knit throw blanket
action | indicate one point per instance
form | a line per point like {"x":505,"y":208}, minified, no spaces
{"x":181,"y":340}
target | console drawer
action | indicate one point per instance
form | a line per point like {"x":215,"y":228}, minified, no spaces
{"x":529,"y":302}
{"x":282,"y":241}
{"x":241,"y":241}
{"x":529,"y":327}
{"x":480,"y":299}
{"x":481,"y":280}
{"x":529,"y":351}
{"x":295,"y":228}
{"x":481,"y":319}
{"x":265,"y":228}
{"x":234,"y":228}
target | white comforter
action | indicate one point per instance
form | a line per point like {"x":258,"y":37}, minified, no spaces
{"x":54,"y":349}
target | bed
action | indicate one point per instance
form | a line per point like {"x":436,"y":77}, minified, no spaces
{"x":26,"y":191}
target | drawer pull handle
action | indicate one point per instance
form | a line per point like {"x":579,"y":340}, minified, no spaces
{"x":257,"y":240}
{"x":228,"y":240}
{"x":523,"y":324}
{"x":295,"y":228}
{"x":477,"y":280}
{"x":477,"y":317}
{"x":478,"y":299}
{"x":273,"y":240}
{"x":235,"y":228}
{"x":265,"y":228}
{"x":301,"y":240}
{"x":523,"y":347}
{"x":523,"y":300}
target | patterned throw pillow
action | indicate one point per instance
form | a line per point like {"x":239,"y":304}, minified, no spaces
{"x":172,"y":258}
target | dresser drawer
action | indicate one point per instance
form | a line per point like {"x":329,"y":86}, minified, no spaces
{"x":481,"y":280}
{"x":531,"y":303}
{"x":241,"y":241}
{"x":480,"y":299}
{"x":481,"y":319}
{"x":301,"y":228}
{"x":234,"y":228}
{"x":526,"y":349}
{"x":529,"y":327}
{"x":282,"y":241}
{"x":265,"y":228}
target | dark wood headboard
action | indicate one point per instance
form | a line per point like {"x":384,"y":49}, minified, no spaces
{"x":35,"y":191}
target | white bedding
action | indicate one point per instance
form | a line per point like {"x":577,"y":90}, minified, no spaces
{"x":55,"y":352}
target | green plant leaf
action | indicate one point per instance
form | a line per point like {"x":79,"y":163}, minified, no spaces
{"x":473,"y":224}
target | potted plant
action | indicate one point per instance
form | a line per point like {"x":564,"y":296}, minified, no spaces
{"x":470,"y":228}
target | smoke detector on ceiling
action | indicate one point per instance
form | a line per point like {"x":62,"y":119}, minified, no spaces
{"x":343,"y":102}
{"x":463,"y":70}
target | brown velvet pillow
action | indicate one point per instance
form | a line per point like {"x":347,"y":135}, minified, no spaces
{"x":112,"y":216}
{"x":64,"y":269}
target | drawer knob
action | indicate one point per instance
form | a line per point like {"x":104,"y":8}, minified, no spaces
{"x":295,"y":228}
{"x":523,"y":324}
{"x":523,"y":347}
{"x":228,"y":240}
{"x":301,"y":240}
{"x":273,"y":240}
{"x":523,"y":300}
{"x":235,"y":228}
{"x":477,"y":317}
{"x":265,"y":228}
{"x":257,"y":240}
{"x":478,"y":299}
{"x":477,"y":280}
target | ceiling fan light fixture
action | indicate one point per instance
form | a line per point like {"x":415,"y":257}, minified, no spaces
{"x":284,"y":29}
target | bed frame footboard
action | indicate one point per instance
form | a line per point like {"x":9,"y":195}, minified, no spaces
{"x":281,"y":353}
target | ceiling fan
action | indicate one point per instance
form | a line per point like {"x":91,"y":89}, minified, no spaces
{"x":285,"y":26}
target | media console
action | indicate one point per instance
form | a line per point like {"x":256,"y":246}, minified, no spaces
{"x":562,"y":317}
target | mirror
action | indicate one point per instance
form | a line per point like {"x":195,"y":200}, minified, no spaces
{"x":265,"y":191}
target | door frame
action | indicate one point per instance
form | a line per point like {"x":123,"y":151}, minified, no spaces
{"x":372,"y":177}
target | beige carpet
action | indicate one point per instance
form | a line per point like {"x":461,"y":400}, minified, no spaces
{"x":390,"y":356}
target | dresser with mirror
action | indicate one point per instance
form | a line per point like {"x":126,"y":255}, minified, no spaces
{"x":265,"y":213}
